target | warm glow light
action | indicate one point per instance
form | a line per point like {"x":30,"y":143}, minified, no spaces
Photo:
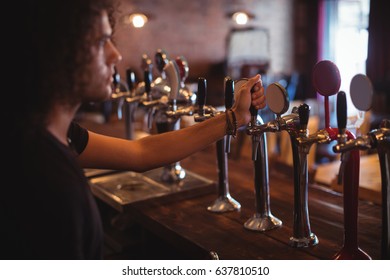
{"x":240,"y":18}
{"x":138,"y":20}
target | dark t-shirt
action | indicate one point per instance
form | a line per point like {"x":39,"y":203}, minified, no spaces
{"x":48,"y":208}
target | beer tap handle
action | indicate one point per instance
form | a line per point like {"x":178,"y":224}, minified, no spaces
{"x":147,"y":81}
{"x":229,"y":96}
{"x":201,"y":95}
{"x":162,"y":59}
{"x":116,"y":78}
{"x":303,"y":111}
{"x":172,"y":72}
{"x":341,"y":110}
{"x":146,"y":63}
{"x":130,"y":79}
{"x":229,"y":93}
{"x":201,"y":99}
{"x":182,"y":63}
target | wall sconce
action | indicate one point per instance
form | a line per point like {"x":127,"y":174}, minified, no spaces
{"x":138,"y":20}
{"x":241,"y":17}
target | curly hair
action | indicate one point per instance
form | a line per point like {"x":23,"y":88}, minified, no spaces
{"x":56,"y":48}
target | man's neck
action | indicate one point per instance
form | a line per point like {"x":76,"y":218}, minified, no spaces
{"x":59,"y":121}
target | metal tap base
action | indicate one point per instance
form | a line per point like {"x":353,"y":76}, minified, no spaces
{"x":303,"y":242}
{"x":262,"y":223}
{"x":348,"y":254}
{"x":173,"y":174}
{"x":224,"y":204}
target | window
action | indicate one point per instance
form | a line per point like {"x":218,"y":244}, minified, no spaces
{"x":345,"y":40}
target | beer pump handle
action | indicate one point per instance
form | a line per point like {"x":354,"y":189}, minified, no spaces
{"x":148,"y":81}
{"x":229,"y":92}
{"x":303,"y":111}
{"x":201,"y":94}
{"x":172,"y":72}
{"x":161,"y":59}
{"x":341,"y":111}
{"x":229,"y":96}
{"x":130,"y":79}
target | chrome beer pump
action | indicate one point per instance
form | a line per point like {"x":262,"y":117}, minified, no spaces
{"x":326,"y":79}
{"x":361,"y":95}
{"x":224,"y":202}
{"x":295,"y":124}
{"x":125,"y":94}
{"x":168,"y":119}
{"x":263,"y":219}
{"x":162,"y":98}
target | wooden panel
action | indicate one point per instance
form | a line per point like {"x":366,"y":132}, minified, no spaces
{"x":204,"y":231}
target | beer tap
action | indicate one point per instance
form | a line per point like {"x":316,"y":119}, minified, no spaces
{"x":278,"y":102}
{"x":301,"y":143}
{"x":119,"y":92}
{"x":326,"y":80}
{"x":361,"y":95}
{"x":263,"y":219}
{"x":295,"y":124}
{"x":160,"y":84}
{"x":130,"y":104}
{"x":148,"y":101}
{"x":167,"y":120}
{"x":224,"y":202}
{"x":229,"y":96}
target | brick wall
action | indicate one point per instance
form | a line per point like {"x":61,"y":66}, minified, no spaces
{"x":199,"y":29}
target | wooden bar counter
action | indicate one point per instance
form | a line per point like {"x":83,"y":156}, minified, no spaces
{"x":182,"y":228}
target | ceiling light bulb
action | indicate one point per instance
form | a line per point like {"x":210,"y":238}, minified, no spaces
{"x":240,"y":18}
{"x":138,"y":20}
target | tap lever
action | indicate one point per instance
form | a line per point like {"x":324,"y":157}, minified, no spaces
{"x":303,"y":111}
{"x":116,"y":77}
{"x":172,"y":71}
{"x":130,"y":79}
{"x":201,"y":100}
{"x":341,"y":112}
{"x":162,"y":59}
{"x":182,"y":64}
{"x":229,"y":96}
{"x":229,"y":92}
{"x":148,"y":81}
{"x":201,"y":95}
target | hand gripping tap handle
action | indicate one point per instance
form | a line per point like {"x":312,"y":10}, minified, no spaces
{"x":229,"y":96}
